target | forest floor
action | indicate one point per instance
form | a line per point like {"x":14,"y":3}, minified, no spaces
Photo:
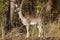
{"x":29,"y":38}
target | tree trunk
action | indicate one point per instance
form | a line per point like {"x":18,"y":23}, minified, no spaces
{"x":12,"y":6}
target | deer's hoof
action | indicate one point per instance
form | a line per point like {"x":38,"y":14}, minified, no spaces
{"x":39,"y":36}
{"x":27,"y":36}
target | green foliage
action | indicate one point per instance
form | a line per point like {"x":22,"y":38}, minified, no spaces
{"x":3,"y":9}
{"x":31,"y":6}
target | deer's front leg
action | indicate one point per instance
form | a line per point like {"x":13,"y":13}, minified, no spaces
{"x":27,"y":28}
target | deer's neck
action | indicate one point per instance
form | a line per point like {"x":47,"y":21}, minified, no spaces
{"x":21,"y":15}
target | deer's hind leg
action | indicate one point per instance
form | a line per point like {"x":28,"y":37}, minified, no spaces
{"x":40,"y":30}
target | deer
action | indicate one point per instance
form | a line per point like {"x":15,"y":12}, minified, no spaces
{"x":32,"y":19}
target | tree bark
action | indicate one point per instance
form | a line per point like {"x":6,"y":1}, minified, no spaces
{"x":12,"y":6}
